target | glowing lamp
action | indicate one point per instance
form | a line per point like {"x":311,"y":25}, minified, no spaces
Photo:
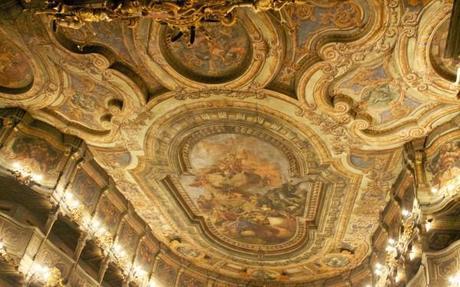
{"x":42,"y":272}
{"x":37,"y":177}
{"x":71,"y":201}
{"x":17,"y":166}
{"x":405,"y":213}
{"x":428,"y":225}
{"x":138,"y":272}
{"x":454,"y":280}
{"x":378,"y":270}
{"x":118,"y":251}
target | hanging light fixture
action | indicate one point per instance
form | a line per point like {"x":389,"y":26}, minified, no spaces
{"x":183,"y":15}
{"x":179,"y":13}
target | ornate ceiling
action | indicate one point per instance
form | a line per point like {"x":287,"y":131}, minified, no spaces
{"x":263,"y":151}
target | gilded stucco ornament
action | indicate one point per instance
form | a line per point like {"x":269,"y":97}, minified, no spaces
{"x":40,"y":81}
{"x":179,"y":14}
{"x":195,"y":247}
{"x":336,"y":91}
{"x":330,"y":89}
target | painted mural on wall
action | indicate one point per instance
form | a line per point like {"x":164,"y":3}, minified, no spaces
{"x":108,"y":214}
{"x":85,"y":188}
{"x":15,"y":71}
{"x":36,"y":154}
{"x":241,"y":184}
{"x":186,"y":280}
{"x":445,"y":164}
{"x":144,"y":257}
{"x":218,"y":53}
{"x":165,"y":273}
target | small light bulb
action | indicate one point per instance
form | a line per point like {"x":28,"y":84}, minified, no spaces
{"x":457,"y":82}
{"x":391,"y":241}
{"x":68,"y":196}
{"x":428,"y":225}
{"x":42,"y":271}
{"x":378,"y":270}
{"x":455,"y":280}
{"x":119,"y":251}
{"x":413,"y":253}
{"x":390,"y":248}
{"x":96,"y":224}
{"x":37,"y":177}
{"x":139,"y":272}
{"x":17,"y":165}
{"x":101,"y":231}
{"x":434,"y":190}
{"x":405,"y":213}
{"x":71,"y":201}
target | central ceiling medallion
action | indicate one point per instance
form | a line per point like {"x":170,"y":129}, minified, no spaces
{"x":248,"y":182}
{"x":219,"y":53}
{"x":246,"y":190}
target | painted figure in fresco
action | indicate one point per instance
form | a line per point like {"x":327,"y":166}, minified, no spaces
{"x":446,"y":164}
{"x":36,"y":154}
{"x":248,"y":199}
{"x":15,"y":71}
{"x":380,"y":96}
{"x":217,"y":51}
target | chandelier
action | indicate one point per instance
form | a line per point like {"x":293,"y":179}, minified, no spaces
{"x":180,"y":14}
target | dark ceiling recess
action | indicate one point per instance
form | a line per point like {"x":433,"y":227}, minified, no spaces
{"x":453,"y":39}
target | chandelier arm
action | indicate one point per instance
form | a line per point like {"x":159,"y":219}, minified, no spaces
{"x":182,"y":14}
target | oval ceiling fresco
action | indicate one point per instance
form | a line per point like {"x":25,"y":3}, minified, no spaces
{"x":218,"y":54}
{"x":242,"y":186}
{"x":247,"y":182}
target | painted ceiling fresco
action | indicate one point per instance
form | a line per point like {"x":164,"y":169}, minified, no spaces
{"x":218,"y":53}
{"x":241,"y":184}
{"x":264,"y":151}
